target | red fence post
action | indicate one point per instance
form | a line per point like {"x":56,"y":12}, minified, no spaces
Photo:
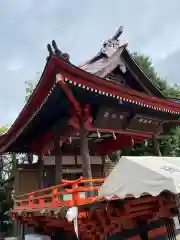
{"x":75,"y":195}
{"x":54,"y":195}
{"x":31,"y":201}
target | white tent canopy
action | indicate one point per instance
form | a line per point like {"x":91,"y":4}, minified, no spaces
{"x":173,"y":160}
{"x":139,"y":175}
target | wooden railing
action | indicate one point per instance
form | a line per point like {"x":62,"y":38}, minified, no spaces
{"x":69,"y":193}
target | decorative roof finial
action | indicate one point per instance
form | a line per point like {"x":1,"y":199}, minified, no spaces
{"x":118,"y":33}
{"x":110,"y":46}
{"x":57,"y":51}
{"x":49,"y":48}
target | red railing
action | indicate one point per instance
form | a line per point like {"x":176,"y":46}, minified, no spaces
{"x":69,"y":193}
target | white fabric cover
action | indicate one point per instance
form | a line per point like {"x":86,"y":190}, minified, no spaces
{"x":72,"y":214}
{"x":35,"y":236}
{"x":173,"y":160}
{"x":141,"y":175}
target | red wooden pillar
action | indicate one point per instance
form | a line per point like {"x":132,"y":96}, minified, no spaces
{"x":85,"y":157}
{"x":40,"y":172}
{"x":84,"y":150}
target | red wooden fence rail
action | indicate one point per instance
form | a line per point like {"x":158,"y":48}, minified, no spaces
{"x":53,"y":197}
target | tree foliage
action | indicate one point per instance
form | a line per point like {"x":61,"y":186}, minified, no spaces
{"x":29,"y":89}
{"x":170,"y":145}
{"x":5,"y":198}
{"x":3,"y":129}
{"x":146,"y":65}
{"x":30,"y":86}
{"x":5,"y":204}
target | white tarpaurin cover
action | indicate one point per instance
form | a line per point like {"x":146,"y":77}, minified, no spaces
{"x":140,"y":175}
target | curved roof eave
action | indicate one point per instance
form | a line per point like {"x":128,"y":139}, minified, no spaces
{"x":46,"y":82}
{"x":32,"y":102}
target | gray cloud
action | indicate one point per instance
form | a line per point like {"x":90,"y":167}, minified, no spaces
{"x":79,"y":27}
{"x":169,"y":67}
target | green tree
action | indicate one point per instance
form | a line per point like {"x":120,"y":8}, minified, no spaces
{"x":30,"y":86}
{"x":3,"y":129}
{"x":5,"y":204}
{"x":170,"y":145}
{"x":5,"y":200}
{"x":146,"y":65}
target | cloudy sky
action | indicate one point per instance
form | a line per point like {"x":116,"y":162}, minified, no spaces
{"x":79,"y":27}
